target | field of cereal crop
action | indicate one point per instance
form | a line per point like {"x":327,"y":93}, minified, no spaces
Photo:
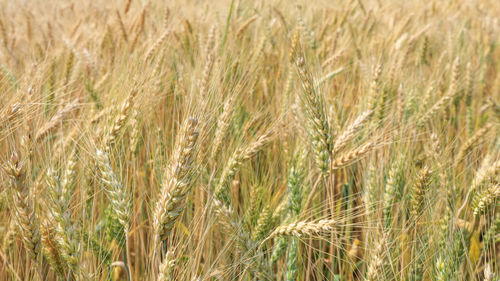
{"x":250,"y":140}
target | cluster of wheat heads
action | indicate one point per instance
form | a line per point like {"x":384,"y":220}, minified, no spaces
{"x":249,"y":140}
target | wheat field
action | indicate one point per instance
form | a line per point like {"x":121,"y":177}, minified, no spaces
{"x":249,"y":140}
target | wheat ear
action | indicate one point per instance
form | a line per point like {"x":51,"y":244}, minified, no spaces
{"x":419,"y":190}
{"x":116,"y":193}
{"x":303,"y":228}
{"x":167,"y":267}
{"x":174,"y":191}
{"x":485,"y":199}
{"x":470,"y":143}
{"x":317,"y":122}
{"x":157,"y":44}
{"x":350,"y":132}
{"x":377,"y":261}
{"x":52,"y":250}
{"x":119,"y":122}
{"x":56,"y":120}
{"x":64,"y":229}
{"x":351,"y":156}
{"x":452,"y":91}
{"x":26,"y":218}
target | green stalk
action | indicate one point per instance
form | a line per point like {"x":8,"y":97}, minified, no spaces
{"x":226,"y":31}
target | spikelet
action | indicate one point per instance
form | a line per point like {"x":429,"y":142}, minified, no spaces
{"x":495,"y":107}
{"x":374,"y":88}
{"x":302,"y":228}
{"x":375,"y":267}
{"x":452,"y":91}
{"x":245,"y":25}
{"x":230,"y":170}
{"x":27,"y":221}
{"x":485,"y":199}
{"x":383,"y":106}
{"x":122,"y":26}
{"x":291,"y":270}
{"x":156,"y":45}
{"x":167,"y":267}
{"x":288,"y":88}
{"x":294,"y":205}
{"x":369,"y":194}
{"x":68,"y":179}
{"x":401,"y":103}
{"x":294,"y":46}
{"x":279,"y":249}
{"x":294,"y":186}
{"x":178,"y":183}
{"x":306,"y":32}
{"x":210,"y":43}
{"x":225,"y":213}
{"x":355,"y":251}
{"x":351,"y":156}
{"x":12,"y":112}
{"x":441,"y":274}
{"x":119,"y":122}
{"x":470,"y":143}
{"x":419,"y":190}
{"x":317,"y":122}
{"x":350,"y":132}
{"x":116,"y":193}
{"x":468,"y":91}
{"x":135,"y":134}
{"x":455,"y":78}
{"x":257,"y":145}
{"x":226,"y":219}
{"x":263,"y":225}
{"x":252,"y":211}
{"x":51,"y":249}
{"x":423,"y":51}
{"x":332,"y":59}
{"x":59,"y":212}
{"x":126,"y":8}
{"x":56,"y":120}
{"x":280,"y":210}
{"x":10,"y":235}
{"x":234,"y":163}
{"x":222,"y":125}
{"x":428,"y":95}
{"x":393,"y":180}
{"x":489,"y":275}
{"x":3,"y":32}
{"x":485,"y":172}
{"x":69,"y":67}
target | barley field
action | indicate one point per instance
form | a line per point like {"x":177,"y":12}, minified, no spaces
{"x":250,"y":140}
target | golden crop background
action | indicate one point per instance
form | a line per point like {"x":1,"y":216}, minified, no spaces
{"x":249,"y":140}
